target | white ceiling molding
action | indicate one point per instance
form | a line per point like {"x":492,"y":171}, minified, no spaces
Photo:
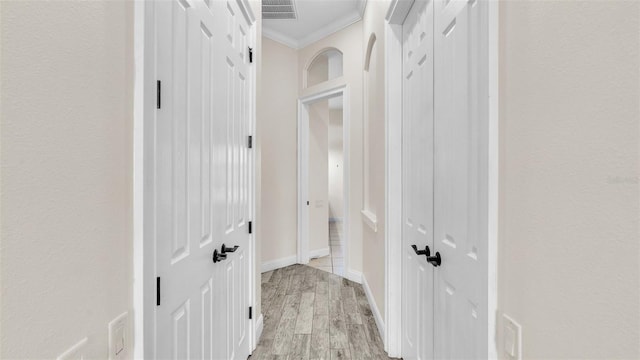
{"x":329,"y":29}
{"x":327,"y":21}
{"x":319,"y":34}
{"x":279,"y":37}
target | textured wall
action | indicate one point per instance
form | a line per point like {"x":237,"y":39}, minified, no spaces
{"x":66,"y":183}
{"x":569,"y":166}
{"x":277,"y":116}
{"x":373,"y":251}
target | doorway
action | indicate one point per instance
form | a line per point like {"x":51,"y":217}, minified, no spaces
{"x":326,"y":184}
{"x":322,"y":180}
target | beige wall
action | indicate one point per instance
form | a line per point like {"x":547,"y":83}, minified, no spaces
{"x":569,"y":167}
{"x":373,"y":251}
{"x":277,"y":116}
{"x":66,"y":183}
{"x":319,"y":175}
{"x":335,"y":165}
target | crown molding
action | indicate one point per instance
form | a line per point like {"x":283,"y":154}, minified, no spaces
{"x":279,"y":37}
{"x":319,"y":34}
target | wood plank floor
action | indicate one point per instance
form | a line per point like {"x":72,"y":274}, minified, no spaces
{"x":312,"y":314}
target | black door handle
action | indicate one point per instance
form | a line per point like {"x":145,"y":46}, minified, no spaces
{"x":228,"y":250}
{"x":435,"y":260}
{"x":426,"y":250}
{"x":217,"y":257}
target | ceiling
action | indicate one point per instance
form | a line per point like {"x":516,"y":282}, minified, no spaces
{"x":315,"y":19}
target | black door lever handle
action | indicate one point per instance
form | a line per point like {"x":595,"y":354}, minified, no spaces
{"x":435,"y":260}
{"x":217,"y":257}
{"x":228,"y":250}
{"x":426,"y":250}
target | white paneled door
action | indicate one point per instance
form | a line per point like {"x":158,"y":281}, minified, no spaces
{"x":461,"y":178}
{"x":417,"y":168}
{"x":203,"y":176}
{"x":445,"y":176}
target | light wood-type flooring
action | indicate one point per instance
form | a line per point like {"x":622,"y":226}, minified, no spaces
{"x":313,"y":314}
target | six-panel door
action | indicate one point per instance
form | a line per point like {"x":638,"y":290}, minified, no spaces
{"x":202,"y":176}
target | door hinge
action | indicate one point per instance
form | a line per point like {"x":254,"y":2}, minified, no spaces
{"x":250,"y":142}
{"x":251,"y":55}
{"x":250,"y":227}
{"x":250,"y":312}
{"x":158,"y":291}
{"x":158,"y":94}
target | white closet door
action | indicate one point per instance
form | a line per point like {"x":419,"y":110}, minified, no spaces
{"x":202,"y":177}
{"x":461,"y":144}
{"x":417,"y":168}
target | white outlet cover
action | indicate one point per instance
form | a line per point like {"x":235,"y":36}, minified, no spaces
{"x":511,"y":338}
{"x":76,"y":352}
{"x":118,"y":335}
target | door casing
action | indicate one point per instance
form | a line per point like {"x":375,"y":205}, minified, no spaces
{"x":398,"y":10}
{"x":144,"y":111}
{"x":303,"y":169}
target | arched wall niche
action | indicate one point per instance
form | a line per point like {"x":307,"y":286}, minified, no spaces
{"x":327,"y":64}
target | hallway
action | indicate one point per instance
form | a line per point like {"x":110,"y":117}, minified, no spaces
{"x":334,"y":262}
{"x":312,"y":314}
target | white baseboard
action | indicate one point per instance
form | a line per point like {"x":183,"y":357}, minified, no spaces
{"x":279,"y":263}
{"x":319,"y":253}
{"x":374,"y":309}
{"x":355,"y":276}
{"x":259,"y":327}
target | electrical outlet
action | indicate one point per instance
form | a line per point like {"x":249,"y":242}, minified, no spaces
{"x":118,"y":336}
{"x":511,"y":338}
{"x":76,"y":352}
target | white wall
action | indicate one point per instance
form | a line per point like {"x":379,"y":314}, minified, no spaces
{"x":569,"y":194}
{"x":373,"y":252}
{"x":66,"y":183}
{"x":277,"y":116}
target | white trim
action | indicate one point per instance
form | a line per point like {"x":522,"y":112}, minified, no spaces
{"x":279,"y":37}
{"x":259,"y":328}
{"x":323,"y":32}
{"x":314,"y":254}
{"x":374,"y":309}
{"x":494,"y":177}
{"x":303,"y":167}
{"x":278,"y":263}
{"x":370,"y":219}
{"x":362,"y":6}
{"x":143,"y":126}
{"x":353,"y":275}
{"x":393,"y":189}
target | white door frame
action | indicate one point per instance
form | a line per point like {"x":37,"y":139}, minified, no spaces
{"x":144,"y":111}
{"x":303,"y":169}
{"x":398,"y":10}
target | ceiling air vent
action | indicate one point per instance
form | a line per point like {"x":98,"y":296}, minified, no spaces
{"x":278,"y":10}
